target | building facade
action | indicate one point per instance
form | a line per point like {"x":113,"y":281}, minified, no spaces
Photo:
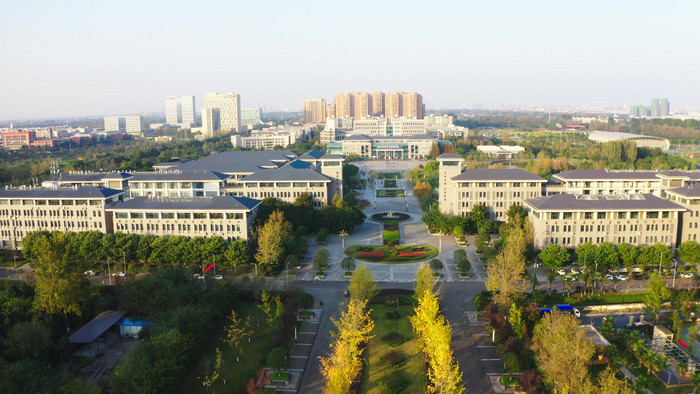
{"x":27,"y":209}
{"x":570,"y":220}
{"x":689,"y":198}
{"x":13,"y":140}
{"x":132,"y":124}
{"x":361,"y":105}
{"x":221,"y":114}
{"x":660,"y":108}
{"x":494,"y":188}
{"x":177,"y":183}
{"x":624,"y":181}
{"x":224,"y":216}
{"x":180,"y":111}
{"x":264,"y":141}
{"x":384,"y":147}
{"x":251,"y":116}
{"x":314,"y":110}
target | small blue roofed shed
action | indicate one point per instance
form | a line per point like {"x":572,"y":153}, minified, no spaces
{"x":128,"y":327}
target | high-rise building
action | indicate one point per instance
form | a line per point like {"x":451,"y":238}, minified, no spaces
{"x":639,"y":111}
{"x":412,"y":105}
{"x":179,"y":110}
{"x":251,"y":116}
{"x":393,"y":105}
{"x":376,"y":104}
{"x":343,"y":105}
{"x":660,"y":108}
{"x":314,"y":110}
{"x":132,"y":124}
{"x":360,"y":105}
{"x":330,"y":111}
{"x":221,"y":114}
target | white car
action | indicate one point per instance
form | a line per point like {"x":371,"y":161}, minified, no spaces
{"x":608,"y":277}
{"x":218,"y":277}
{"x":561,"y":272}
{"x":198,"y":276}
{"x":576,"y":271}
{"x":621,"y":277}
{"x":687,"y":275}
{"x":90,"y":273}
{"x":120,"y":274}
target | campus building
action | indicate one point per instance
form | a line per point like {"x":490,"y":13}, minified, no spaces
{"x":224,"y":216}
{"x":27,"y":209}
{"x":623,"y":181}
{"x":111,"y":180}
{"x":494,"y":188}
{"x":570,"y":220}
{"x":179,"y":111}
{"x":132,"y":124}
{"x":251,"y":116}
{"x":314,"y":111}
{"x":360,"y":105}
{"x":221,"y":114}
{"x":384,"y":147}
{"x":177,"y":183}
{"x":689,"y":198}
{"x":13,"y":140}
{"x":269,"y":138}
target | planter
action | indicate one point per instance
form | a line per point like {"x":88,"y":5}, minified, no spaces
{"x":280,"y":378}
{"x":319,"y":275}
{"x":464,"y":276}
{"x":321,"y":243}
{"x":436,"y":274}
{"x":305,"y":315}
{"x":347,"y":275}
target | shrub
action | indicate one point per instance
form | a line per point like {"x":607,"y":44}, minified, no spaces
{"x":463,"y":265}
{"x":393,"y":315}
{"x":458,"y":232}
{"x":321,"y":236}
{"x":481,"y":300}
{"x":436,"y":264}
{"x":394,"y":382}
{"x":394,"y":358}
{"x":277,"y":358}
{"x":291,"y":261}
{"x":393,"y":339}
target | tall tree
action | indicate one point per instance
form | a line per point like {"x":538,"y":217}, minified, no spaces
{"x":506,"y":273}
{"x":425,"y":281}
{"x":689,"y":251}
{"x":61,"y":287}
{"x":362,"y":286}
{"x":554,"y":256}
{"x":272,"y":240}
{"x":656,"y":296}
{"x":562,"y":351}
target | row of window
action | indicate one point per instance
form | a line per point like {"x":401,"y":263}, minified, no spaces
{"x":179,"y":228}
{"x":179,"y":215}
{"x":285,"y":194}
{"x":49,"y":224}
{"x":51,"y":202}
{"x":49,"y":213}
{"x":606,"y":215}
{"x":284,"y":184}
{"x":166,"y":185}
{"x":498,"y":184}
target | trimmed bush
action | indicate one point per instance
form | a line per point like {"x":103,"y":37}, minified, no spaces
{"x":394,"y":339}
{"x":394,"y":382}
{"x":321,"y":236}
{"x":481,"y":300}
{"x":394,"y":358}
{"x":436,"y":264}
{"x":393,"y":315}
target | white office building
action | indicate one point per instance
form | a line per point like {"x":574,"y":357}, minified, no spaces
{"x":132,"y":124}
{"x":179,"y":111}
{"x":221,"y":114}
{"x":251,"y":116}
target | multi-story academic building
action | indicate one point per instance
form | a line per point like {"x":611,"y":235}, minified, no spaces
{"x":573,"y":219}
{"x":177,"y":183}
{"x":111,"y":180}
{"x":179,"y":111}
{"x":384,"y":147}
{"x":622,"y":181}
{"x":224,"y":216}
{"x":495,"y":188}
{"x":27,"y":209}
{"x":689,"y":198}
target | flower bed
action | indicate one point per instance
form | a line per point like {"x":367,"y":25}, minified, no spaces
{"x":386,"y":254}
{"x":390,"y":193}
{"x":398,"y":216}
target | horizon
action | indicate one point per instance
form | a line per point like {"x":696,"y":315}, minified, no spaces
{"x":91,"y":59}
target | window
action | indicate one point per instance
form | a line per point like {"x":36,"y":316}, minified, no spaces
{"x":665,"y":214}
{"x":533,"y":184}
{"x":94,"y":202}
{"x":482,"y":184}
{"x":136,"y":215}
{"x":185,"y":185}
{"x":216,"y":215}
{"x":516,"y":184}
{"x":152,"y":215}
{"x":183,"y":215}
{"x":67,"y":202}
{"x":652,"y":215}
{"x":634,"y":215}
{"x":159,"y":185}
{"x":198,"y":185}
{"x":554,"y":215}
{"x":267,"y":184}
{"x":622,"y":215}
{"x":81,"y":202}
{"x":122,"y":215}
{"x":499,"y":184}
{"x":199,"y":215}
{"x":602,"y":215}
{"x":283,"y":184}
{"x":167,"y":215}
{"x":568,"y":215}
{"x":316,"y":184}
{"x":300,"y":184}
{"x":251,"y":184}
{"x":588,"y":215}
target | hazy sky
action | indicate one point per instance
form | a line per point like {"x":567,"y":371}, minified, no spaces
{"x":68,"y":57}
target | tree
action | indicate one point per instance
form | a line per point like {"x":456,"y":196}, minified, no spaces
{"x":689,"y":251}
{"x":28,"y":340}
{"x":435,"y":264}
{"x":236,"y":330}
{"x":434,"y":150}
{"x":562,"y":351}
{"x":608,"y":257}
{"x":362,"y":286}
{"x":656,"y":296}
{"x":209,"y":378}
{"x":458,"y":232}
{"x":506,"y":273}
{"x":272,"y":240}
{"x":271,"y":307}
{"x":277,"y":358}
{"x":628,"y":254}
{"x":608,"y":383}
{"x":291,"y":261}
{"x":515,"y":319}
{"x":348,"y":264}
{"x":321,"y":259}
{"x":554,"y":256}
{"x":586,"y":253}
{"x":425,"y":281}
{"x":236,"y":253}
{"x":61,"y":287}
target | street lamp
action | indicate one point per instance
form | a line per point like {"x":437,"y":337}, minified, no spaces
{"x":595,"y":275}
{"x":15,"y":256}
{"x":675,"y":268}
{"x":343,"y":234}
{"x":661,"y":254}
{"x":440,"y":233}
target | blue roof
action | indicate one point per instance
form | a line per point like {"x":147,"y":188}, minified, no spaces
{"x":138,"y":323}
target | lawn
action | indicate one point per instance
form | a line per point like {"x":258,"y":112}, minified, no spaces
{"x":391,"y":235}
{"x":631,"y":297}
{"x":385,"y":254}
{"x":388,"y":175}
{"x":390,"y":193}
{"x":390,"y":183}
{"x":377,"y":365}
{"x":252,"y":355}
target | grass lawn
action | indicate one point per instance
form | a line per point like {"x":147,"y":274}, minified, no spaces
{"x":508,"y":380}
{"x":390,"y":183}
{"x":630,"y":297}
{"x":413,"y":369}
{"x":237,"y":374}
{"x":391,"y":235}
{"x":384,"y":254}
{"x":390,"y":193}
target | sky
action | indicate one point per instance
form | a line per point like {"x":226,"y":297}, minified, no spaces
{"x":82,"y":58}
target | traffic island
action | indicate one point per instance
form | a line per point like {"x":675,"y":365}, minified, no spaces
{"x":391,"y":254}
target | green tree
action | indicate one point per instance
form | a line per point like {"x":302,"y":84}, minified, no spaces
{"x":515,"y":319}
{"x":61,"y":287}
{"x":320,"y":261}
{"x":348,"y":264}
{"x":656,"y":296}
{"x":689,"y":251}
{"x":362,"y":286}
{"x":435,"y":264}
{"x":28,"y":340}
{"x":562,"y":351}
{"x":554,"y":256}
{"x":607,"y":257}
{"x":236,"y":330}
{"x":277,"y":358}
{"x":628,"y":254}
{"x":272,"y":240}
{"x":236,"y":253}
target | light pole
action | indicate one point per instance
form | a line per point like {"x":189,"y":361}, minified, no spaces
{"x":15,"y":257}
{"x":661,"y":254}
{"x":343,"y":234}
{"x":675,"y":268}
{"x":108,"y":274}
{"x":595,"y":275}
{"x":440,"y":241}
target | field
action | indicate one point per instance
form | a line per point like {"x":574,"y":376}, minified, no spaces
{"x":385,"y":254}
{"x":409,"y":371}
{"x":390,"y":193}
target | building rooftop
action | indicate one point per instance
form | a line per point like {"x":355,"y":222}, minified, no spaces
{"x":498,"y":174}
{"x":614,"y":202}
{"x":594,"y":336}
{"x":450,"y":156}
{"x":363,"y":137}
{"x":286,"y":174}
{"x":179,"y":175}
{"x":60,"y":192}
{"x":90,"y":176}
{"x":186,"y":203}
{"x":96,"y":327}
{"x":311,"y":155}
{"x":692,"y":191}
{"x":594,"y":175}
{"x":240,"y":161}
{"x":332,"y":156}
{"x":679,"y":174}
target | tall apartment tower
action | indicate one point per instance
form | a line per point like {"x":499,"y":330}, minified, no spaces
{"x":330,"y":111}
{"x":376,"y":104}
{"x":393,"y":106}
{"x":343,"y":105}
{"x":314,"y":110}
{"x":450,"y":166}
{"x":412,"y":105}
{"x":179,"y":110}
{"x":360,"y":105}
{"x":221,"y":113}
{"x":660,"y":108}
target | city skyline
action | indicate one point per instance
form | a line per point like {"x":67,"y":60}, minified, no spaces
{"x":65,"y":62}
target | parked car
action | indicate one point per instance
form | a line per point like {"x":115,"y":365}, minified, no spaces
{"x":120,"y":274}
{"x":687,"y":275}
{"x":218,"y":277}
{"x":91,"y":273}
{"x":561,"y":272}
{"x":621,"y":277}
{"x":576,"y":270}
{"x":608,"y":277}
{"x":198,"y":276}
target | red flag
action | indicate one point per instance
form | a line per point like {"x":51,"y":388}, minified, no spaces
{"x":210,"y":267}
